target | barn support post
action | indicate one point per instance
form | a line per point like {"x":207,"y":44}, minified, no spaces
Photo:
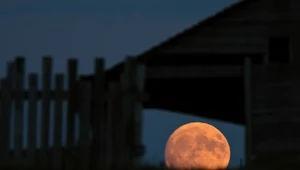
{"x":139,"y":82}
{"x":98,"y":119}
{"x":248,"y":108}
{"x":132,"y":80}
{"x":114,"y":103}
{"x":126,"y":115}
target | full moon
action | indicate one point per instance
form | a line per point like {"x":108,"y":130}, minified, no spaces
{"x":197,"y":146}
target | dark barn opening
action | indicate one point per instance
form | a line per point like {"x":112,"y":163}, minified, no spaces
{"x":215,"y":98}
{"x":220,"y":98}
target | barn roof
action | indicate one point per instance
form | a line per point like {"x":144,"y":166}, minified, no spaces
{"x":146,"y":55}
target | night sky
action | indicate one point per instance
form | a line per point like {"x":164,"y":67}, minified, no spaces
{"x":112,"y":29}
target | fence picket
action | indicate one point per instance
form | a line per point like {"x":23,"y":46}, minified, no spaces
{"x":10,"y":78}
{"x":46,"y":85}
{"x":58,"y":110}
{"x":32,"y":117}
{"x":98,"y":117}
{"x":84,"y":114}
{"x":20,"y":73}
{"x":5,"y":121}
{"x":72,"y":95}
{"x":117,"y":142}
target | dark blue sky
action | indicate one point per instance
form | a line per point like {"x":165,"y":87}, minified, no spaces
{"x":112,"y":29}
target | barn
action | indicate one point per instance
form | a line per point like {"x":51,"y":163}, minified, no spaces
{"x":199,"y":70}
{"x":240,"y":66}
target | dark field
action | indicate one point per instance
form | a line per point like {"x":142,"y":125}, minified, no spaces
{"x":275,"y":166}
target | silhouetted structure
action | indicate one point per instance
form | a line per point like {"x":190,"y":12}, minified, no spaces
{"x":114,"y":118}
{"x":204,"y":71}
{"x":240,"y":66}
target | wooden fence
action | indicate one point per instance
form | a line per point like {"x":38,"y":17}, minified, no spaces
{"x":112,"y":114}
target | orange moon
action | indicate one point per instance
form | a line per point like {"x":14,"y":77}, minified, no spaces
{"x":197,"y":146}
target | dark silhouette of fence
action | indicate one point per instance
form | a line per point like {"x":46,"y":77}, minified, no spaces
{"x":106,"y":112}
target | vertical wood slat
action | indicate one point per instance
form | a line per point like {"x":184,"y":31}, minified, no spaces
{"x":32,"y":117}
{"x":10,"y":78}
{"x":139,"y":82}
{"x":84,"y":124}
{"x":99,"y":149}
{"x":5,"y":121}
{"x":58,"y":113}
{"x":19,"y":105}
{"x":6,"y":103}
{"x":114,"y":110}
{"x":72,"y":95}
{"x":127,"y":111}
{"x":46,"y":85}
{"x":133,"y":83}
{"x":248,"y":108}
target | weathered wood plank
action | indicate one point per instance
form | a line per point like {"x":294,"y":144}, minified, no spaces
{"x":117,"y":140}
{"x":128,"y":111}
{"x":39,"y":94}
{"x":32,"y":116}
{"x":248,"y":107}
{"x":84,"y":124}
{"x":276,"y":96}
{"x":5,"y":120}
{"x":218,"y":48}
{"x":276,"y":73}
{"x":19,"y":105}
{"x":263,"y":73}
{"x":279,"y":137}
{"x":58,"y":113}
{"x":139,"y":83}
{"x":272,"y":116}
{"x":99,"y":151}
{"x":10,"y":78}
{"x":132,"y":80}
{"x":65,"y":95}
{"x":46,"y":84}
{"x":275,"y":110}
{"x":194,"y":71}
{"x":72,"y":101}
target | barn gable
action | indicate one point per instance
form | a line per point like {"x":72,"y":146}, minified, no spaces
{"x":242,"y":28}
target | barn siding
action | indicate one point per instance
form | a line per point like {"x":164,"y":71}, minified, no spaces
{"x":245,"y":30}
